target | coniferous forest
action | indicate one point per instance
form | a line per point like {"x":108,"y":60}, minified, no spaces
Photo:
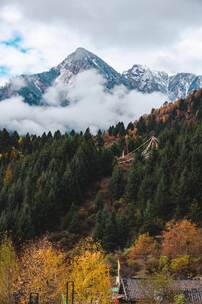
{"x":100,"y":152}
{"x":70,"y":185}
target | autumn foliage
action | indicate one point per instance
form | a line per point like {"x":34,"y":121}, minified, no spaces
{"x":91,"y":275}
{"x":9,"y":271}
{"x":181,"y":238}
{"x":42,"y":270}
{"x":144,"y":246}
{"x":177,"y":252}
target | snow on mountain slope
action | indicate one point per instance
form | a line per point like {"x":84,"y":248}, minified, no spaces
{"x":82,"y":60}
{"x":33,"y":86}
{"x":196,"y":83}
{"x":145,"y":80}
{"x":175,"y":86}
{"x":138,"y":78}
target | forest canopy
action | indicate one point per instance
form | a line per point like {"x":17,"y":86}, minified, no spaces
{"x":70,"y":185}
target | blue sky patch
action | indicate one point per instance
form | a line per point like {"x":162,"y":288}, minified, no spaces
{"x":4,"y":71}
{"x":15,"y":42}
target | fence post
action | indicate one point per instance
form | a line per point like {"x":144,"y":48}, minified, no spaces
{"x":67,"y":292}
{"x":16,"y":298}
{"x":34,"y":298}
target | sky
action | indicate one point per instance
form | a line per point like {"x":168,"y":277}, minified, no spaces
{"x":36,"y":35}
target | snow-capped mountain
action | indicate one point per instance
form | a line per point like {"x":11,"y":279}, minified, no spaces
{"x":32,"y":87}
{"x":138,"y":78}
{"x":36,"y":85}
{"x":175,"y":86}
{"x":179,"y":85}
{"x":145,"y":80}
{"x":82,"y":60}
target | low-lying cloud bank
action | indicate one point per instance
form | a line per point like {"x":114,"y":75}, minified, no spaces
{"x":90,"y":105}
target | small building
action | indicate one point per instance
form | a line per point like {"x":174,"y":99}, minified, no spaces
{"x":134,"y":290}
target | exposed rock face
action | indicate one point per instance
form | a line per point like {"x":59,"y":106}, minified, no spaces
{"x":138,"y":78}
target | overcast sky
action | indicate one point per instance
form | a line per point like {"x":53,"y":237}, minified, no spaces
{"x":163,"y":34}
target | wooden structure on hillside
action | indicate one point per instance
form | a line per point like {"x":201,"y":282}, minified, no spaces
{"x":147,"y":147}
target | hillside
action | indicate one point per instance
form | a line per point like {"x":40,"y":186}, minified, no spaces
{"x":71,"y":186}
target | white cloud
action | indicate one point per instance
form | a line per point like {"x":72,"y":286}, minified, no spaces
{"x":90,"y":106}
{"x":184,"y":56}
{"x":47,"y":44}
{"x":56,"y":94}
{"x":18,"y":83}
{"x":10,"y":14}
{"x":161,"y":34}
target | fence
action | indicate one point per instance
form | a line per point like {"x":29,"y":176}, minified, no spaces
{"x":69,"y":298}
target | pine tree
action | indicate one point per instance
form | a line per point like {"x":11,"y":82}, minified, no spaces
{"x":110,"y":238}
{"x":116,"y":186}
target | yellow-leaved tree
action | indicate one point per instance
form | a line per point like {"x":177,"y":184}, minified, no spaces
{"x":91,"y":275}
{"x":8,"y":175}
{"x":42,"y":270}
{"x":8,"y":270}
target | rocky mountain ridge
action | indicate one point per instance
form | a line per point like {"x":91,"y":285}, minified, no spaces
{"x":139,"y":78}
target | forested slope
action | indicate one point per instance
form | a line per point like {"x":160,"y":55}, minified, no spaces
{"x":54,"y":183}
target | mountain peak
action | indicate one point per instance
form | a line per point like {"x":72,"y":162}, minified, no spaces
{"x":80,"y":54}
{"x":81,"y":50}
{"x":83,"y":60}
{"x":139,"y":77}
{"x":139,"y":68}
